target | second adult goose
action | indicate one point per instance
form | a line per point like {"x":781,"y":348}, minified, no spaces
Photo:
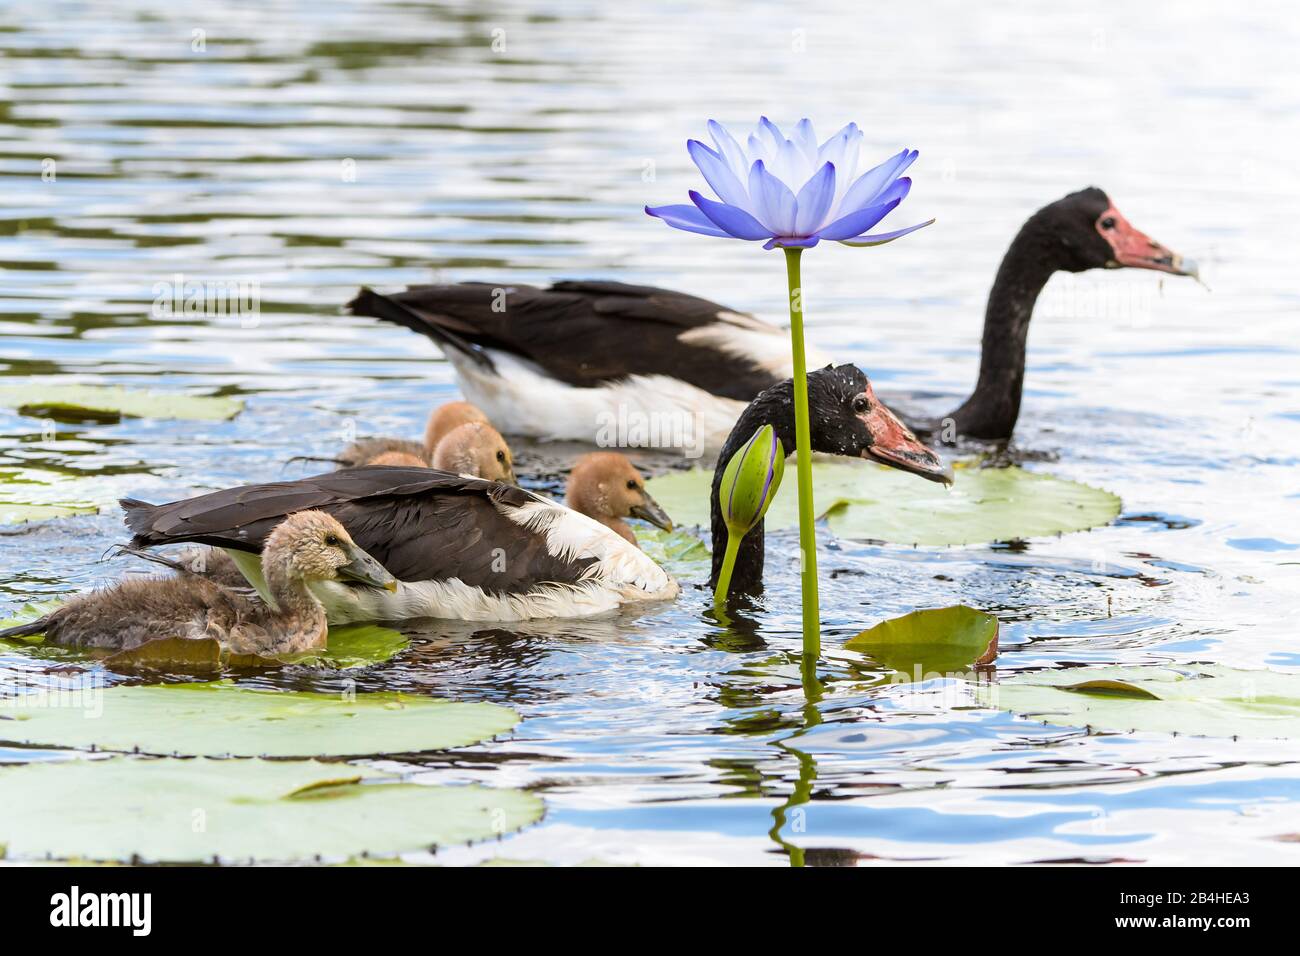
{"x":479,"y":550}
{"x":556,"y":363}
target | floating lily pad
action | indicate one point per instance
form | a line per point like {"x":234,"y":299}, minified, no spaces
{"x":934,"y":641}
{"x":863,"y":500}
{"x":179,"y":811}
{"x":358,"y":645}
{"x":355,"y":646}
{"x":174,"y":654}
{"x":219,"y":719}
{"x":14,"y":512}
{"x":679,"y":552}
{"x":1203,"y":700}
{"x":111,"y":403}
{"x":34,"y":495}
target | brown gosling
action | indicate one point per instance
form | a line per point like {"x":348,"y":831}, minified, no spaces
{"x":605,"y":485}
{"x":476,"y":449}
{"x":398,"y":459}
{"x":446,"y":418}
{"x":306,"y":548}
{"x":442,"y":420}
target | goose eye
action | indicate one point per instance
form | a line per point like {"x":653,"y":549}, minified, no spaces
{"x":1108,"y":222}
{"x":631,"y":485}
{"x":860,"y":404}
{"x":332,"y":540}
{"x":501,"y":456}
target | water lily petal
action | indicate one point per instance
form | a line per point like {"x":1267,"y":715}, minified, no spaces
{"x":866,"y":190}
{"x":856,"y":223}
{"x":791,"y":167}
{"x":880,"y":238}
{"x":806,"y":140}
{"x":814,"y":201}
{"x":898,"y":189}
{"x":730,"y":150}
{"x":806,"y":242}
{"x":835,"y":149}
{"x":735,"y":222}
{"x":688,"y":218}
{"x":774,"y":204}
{"x":846,"y":130}
{"x":773,"y":133}
{"x":757,"y":150}
{"x":718,"y":175}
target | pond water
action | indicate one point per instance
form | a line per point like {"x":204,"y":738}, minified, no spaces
{"x":314,"y":147}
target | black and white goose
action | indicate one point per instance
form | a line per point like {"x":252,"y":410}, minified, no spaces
{"x":565,"y":361}
{"x":462,"y":548}
{"x":479,"y":550}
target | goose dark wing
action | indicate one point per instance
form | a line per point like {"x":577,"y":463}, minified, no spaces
{"x":421,"y":524}
{"x":583,"y":333}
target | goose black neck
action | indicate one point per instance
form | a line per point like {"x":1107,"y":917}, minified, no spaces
{"x":994,"y":406}
{"x":774,"y":407}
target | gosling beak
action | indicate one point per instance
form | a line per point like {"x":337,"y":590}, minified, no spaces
{"x":363,"y":569}
{"x":894,"y":444}
{"x":1137,"y":250}
{"x":649,"y":510}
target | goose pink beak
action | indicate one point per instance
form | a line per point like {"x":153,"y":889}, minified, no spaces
{"x":1137,"y":250}
{"x":894,"y":444}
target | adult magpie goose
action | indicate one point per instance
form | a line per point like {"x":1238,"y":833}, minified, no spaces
{"x":555,"y":363}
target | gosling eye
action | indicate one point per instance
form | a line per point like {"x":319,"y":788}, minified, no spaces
{"x":631,"y":484}
{"x":501,"y":456}
{"x":1108,"y":222}
{"x":861,"y":404}
{"x":332,"y":540}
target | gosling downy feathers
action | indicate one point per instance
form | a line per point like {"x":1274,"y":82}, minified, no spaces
{"x":442,"y":420}
{"x":606,"y":486}
{"x":304,"y":551}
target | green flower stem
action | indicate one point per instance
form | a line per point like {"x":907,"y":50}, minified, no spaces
{"x":812,"y":643}
{"x":728,"y":565}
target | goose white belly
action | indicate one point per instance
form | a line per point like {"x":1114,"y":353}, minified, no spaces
{"x":640,"y":411}
{"x":453,"y":599}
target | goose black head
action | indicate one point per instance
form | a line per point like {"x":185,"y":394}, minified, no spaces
{"x":846,"y":418}
{"x":1086,"y":231}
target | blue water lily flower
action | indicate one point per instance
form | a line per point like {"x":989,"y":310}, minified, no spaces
{"x":792,"y":192}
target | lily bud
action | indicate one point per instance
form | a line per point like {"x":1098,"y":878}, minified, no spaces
{"x":750,"y":481}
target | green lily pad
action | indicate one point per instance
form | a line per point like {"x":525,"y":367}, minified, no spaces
{"x":863,"y":500}
{"x":1202,"y":700}
{"x":349,"y":647}
{"x":182,"y":811}
{"x":221,"y":719}
{"x":679,"y":552}
{"x":30,"y":494}
{"x":111,"y":403}
{"x":358,"y":645}
{"x":15,"y":512}
{"x":934,"y":641}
